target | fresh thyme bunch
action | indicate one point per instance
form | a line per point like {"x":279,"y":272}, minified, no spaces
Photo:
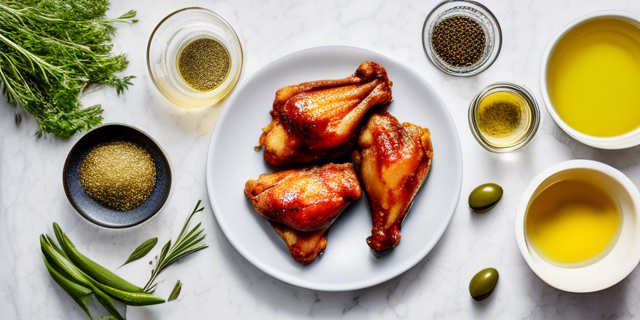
{"x":50,"y":51}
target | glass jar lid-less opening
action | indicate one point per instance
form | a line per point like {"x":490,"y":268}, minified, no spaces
{"x":475,"y":12}
{"x":509,"y":136}
{"x":169,"y":39}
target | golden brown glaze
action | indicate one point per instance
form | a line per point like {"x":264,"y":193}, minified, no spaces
{"x":318,"y":120}
{"x":304,"y":247}
{"x":393,"y":160}
{"x":302,"y":204}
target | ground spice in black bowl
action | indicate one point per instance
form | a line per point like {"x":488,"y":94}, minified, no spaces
{"x":118,"y":174}
{"x":459,"y":41}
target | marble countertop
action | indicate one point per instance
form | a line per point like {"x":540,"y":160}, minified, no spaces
{"x":218,"y":282}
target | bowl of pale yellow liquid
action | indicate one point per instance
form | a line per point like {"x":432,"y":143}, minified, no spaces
{"x":590,"y":79}
{"x":578,"y":226}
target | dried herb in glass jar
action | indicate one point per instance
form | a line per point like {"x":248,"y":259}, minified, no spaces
{"x":459,"y":41}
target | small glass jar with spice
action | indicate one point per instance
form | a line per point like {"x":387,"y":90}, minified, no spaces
{"x":504,"y":117}
{"x":195,"y":58}
{"x":461,"y":38}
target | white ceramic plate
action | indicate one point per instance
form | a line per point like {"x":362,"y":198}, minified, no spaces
{"x":347,"y":263}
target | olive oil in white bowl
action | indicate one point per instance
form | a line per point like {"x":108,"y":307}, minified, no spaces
{"x":614,"y":248}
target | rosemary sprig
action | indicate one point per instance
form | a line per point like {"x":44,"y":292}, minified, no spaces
{"x":187,"y":243}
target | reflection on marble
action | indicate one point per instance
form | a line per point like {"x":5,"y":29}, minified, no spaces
{"x":218,"y":282}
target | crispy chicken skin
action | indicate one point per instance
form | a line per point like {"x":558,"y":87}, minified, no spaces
{"x":301,"y":204}
{"x":304,"y":247}
{"x":392,"y":160}
{"x":319,"y":120}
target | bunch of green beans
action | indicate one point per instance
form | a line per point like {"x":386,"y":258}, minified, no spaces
{"x":80,"y":277}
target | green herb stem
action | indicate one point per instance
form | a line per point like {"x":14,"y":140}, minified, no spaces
{"x":50,"y":51}
{"x":186,"y":244}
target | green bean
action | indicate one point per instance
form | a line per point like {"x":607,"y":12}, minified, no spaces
{"x":106,"y":302}
{"x":54,"y":245}
{"x":61,"y":262}
{"x":94,"y":270}
{"x":77,"y":292}
{"x":77,"y":276}
{"x":68,"y":285}
{"x":128,"y":298}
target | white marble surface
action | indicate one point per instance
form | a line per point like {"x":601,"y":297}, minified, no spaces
{"x":218,"y":282}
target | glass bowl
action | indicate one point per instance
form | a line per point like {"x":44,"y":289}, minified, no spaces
{"x":476,"y":12}
{"x":170,"y":37}
{"x":532,"y":112}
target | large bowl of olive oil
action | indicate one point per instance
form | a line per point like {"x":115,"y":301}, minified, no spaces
{"x":578,"y":226}
{"x":590,"y":79}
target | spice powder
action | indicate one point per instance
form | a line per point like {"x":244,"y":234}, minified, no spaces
{"x":204,"y":64}
{"x":118,"y":174}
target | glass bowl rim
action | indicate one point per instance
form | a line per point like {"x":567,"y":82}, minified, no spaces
{"x":226,"y":24}
{"x":482,"y":67}
{"x":533,"y":105}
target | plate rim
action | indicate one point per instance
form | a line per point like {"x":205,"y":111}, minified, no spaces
{"x":295,"y":281}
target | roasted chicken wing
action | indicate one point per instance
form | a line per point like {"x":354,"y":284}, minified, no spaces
{"x":304,"y":247}
{"x":301,"y":204}
{"x":319,"y":120}
{"x":393,"y":160}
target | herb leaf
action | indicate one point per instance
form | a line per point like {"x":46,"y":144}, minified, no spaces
{"x":141,"y":250}
{"x":176,"y":291}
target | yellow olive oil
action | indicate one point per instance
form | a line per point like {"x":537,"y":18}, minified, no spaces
{"x":593,"y":78}
{"x":503,"y":118}
{"x":572,"y":222}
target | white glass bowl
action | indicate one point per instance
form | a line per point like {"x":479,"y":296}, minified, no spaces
{"x":615,"y":265}
{"x":168,"y":39}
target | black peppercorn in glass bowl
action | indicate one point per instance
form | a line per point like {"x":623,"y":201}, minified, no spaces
{"x":473,"y":15}
{"x":97,"y":213}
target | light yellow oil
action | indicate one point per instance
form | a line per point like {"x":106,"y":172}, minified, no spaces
{"x":594,"y":78}
{"x":572,"y":222}
{"x":504,"y":118}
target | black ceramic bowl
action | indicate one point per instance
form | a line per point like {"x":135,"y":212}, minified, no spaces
{"x":94,"y":211}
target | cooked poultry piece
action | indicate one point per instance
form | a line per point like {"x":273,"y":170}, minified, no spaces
{"x":393,"y":160}
{"x":301,"y":204}
{"x":318,"y":120}
{"x":304,"y":247}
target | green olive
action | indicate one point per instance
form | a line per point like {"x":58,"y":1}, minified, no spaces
{"x":485,"y":197}
{"x":483,"y":283}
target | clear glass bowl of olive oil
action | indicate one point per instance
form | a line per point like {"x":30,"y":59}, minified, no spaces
{"x":504,"y":117}
{"x":195,"y":58}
